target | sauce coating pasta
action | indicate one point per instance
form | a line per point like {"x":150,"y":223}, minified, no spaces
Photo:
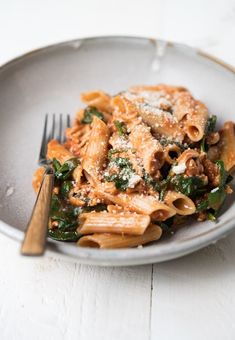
{"x":135,"y":165}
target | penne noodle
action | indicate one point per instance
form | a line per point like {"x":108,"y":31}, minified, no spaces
{"x":182,"y":204}
{"x":148,"y":148}
{"x":96,"y":152}
{"x":184,"y":105}
{"x":139,"y":203}
{"x":58,"y":151}
{"x":117,"y":223}
{"x":162,"y":123}
{"x":187,"y":155}
{"x":112,"y":241}
{"x":171,"y":153}
{"x":227,"y":146}
{"x":196,"y":122}
{"x":98,"y":99}
{"x":77,"y":175}
{"x":125,"y":111}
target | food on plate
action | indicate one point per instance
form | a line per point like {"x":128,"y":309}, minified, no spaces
{"x":136,"y":165}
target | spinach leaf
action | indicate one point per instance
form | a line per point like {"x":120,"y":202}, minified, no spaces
{"x":121,"y":127}
{"x":189,"y":186}
{"x":210,"y":127}
{"x":89,"y":112}
{"x":55,"y":205}
{"x":211,"y":216}
{"x":122,"y":177}
{"x":159,"y":186}
{"x":66,"y":169}
{"x":59,"y":235}
{"x":216,"y":197}
{"x":56,"y":164}
{"x":65,"y":188}
{"x":167,"y":225}
{"x":223,"y":173}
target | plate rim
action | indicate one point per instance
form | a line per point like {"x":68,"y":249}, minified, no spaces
{"x":124,"y":257}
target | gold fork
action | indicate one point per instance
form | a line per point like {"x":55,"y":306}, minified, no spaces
{"x":35,"y":237}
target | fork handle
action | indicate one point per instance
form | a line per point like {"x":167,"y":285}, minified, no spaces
{"x":35,"y":236}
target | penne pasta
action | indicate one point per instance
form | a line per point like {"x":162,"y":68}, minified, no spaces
{"x":97,"y":99}
{"x":117,"y":223}
{"x":96,"y":152}
{"x":58,"y":151}
{"x":182,"y":204}
{"x":162,"y":123}
{"x":187,"y":155}
{"x":196,"y":122}
{"x":184,"y":105}
{"x":171,"y":153}
{"x":141,"y":204}
{"x":148,"y":148}
{"x":111,"y":241}
{"x":227,"y":146}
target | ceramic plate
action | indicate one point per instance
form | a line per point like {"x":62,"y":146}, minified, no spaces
{"x":51,"y":79}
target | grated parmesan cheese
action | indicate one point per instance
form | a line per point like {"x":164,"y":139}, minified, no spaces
{"x":215,"y":189}
{"x":134,"y":179}
{"x":179,"y":169}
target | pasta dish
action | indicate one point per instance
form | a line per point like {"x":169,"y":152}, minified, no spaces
{"x":136,"y":165}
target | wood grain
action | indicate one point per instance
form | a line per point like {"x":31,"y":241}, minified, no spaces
{"x":35,"y":237}
{"x":193,"y":297}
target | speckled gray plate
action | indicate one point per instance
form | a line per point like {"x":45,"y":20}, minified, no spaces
{"x":51,"y":79}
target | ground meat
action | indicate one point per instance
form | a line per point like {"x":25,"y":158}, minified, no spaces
{"x":212,"y":172}
{"x":213,"y":138}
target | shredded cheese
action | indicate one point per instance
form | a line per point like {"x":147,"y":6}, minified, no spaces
{"x":179,"y":169}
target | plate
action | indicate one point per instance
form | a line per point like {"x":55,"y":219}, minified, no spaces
{"x":50,"y":80}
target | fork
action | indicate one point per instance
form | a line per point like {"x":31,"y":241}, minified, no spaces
{"x":35,"y":237}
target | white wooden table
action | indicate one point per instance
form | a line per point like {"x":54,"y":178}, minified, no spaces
{"x":51,"y":298}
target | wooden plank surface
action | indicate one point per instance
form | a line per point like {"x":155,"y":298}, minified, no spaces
{"x":194,"y":297}
{"x":51,"y":298}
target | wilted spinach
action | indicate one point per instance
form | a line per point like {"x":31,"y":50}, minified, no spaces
{"x":121,"y":127}
{"x":89,"y":112}
{"x":189,"y":186}
{"x":210,"y":127}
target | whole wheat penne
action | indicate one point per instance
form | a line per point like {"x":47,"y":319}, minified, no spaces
{"x":58,"y":151}
{"x":196,"y":122}
{"x":98,"y":99}
{"x":227,"y":146}
{"x":117,"y":223}
{"x":184,"y":105}
{"x":171,"y":153}
{"x":186,"y":155}
{"x":97,"y":149}
{"x":111,"y":241}
{"x":162,"y":123}
{"x":139,"y":203}
{"x":182,"y":204}
{"x":148,"y":148}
